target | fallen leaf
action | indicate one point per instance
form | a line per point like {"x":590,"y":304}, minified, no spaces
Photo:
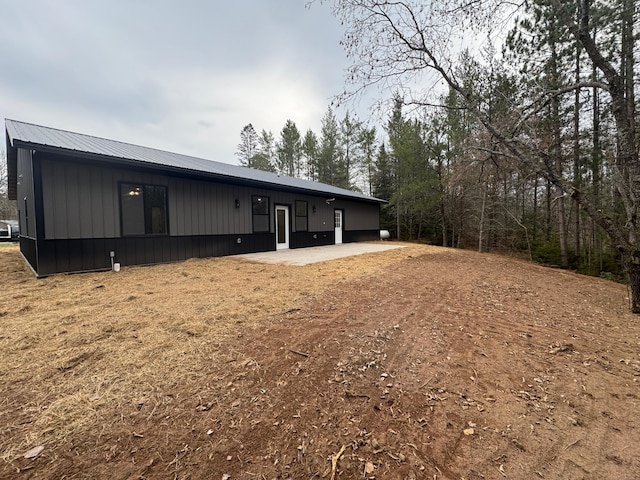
{"x":369,"y":467}
{"x":34,"y":452}
{"x":469,"y":431}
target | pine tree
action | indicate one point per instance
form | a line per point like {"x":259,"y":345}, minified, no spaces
{"x":288,"y":150}
{"x":330,"y":165}
{"x":382,"y":186}
{"x":367,"y":143}
{"x":264,"y":158}
{"x":350,"y":136}
{"x":248,"y":146}
{"x":309,"y":151}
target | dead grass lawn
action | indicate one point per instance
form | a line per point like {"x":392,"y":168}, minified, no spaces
{"x":76,"y":344}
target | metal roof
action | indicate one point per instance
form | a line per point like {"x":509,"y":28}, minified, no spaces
{"x":26,"y":135}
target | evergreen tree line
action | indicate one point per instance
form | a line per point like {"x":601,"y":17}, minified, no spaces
{"x":449,"y":183}
{"x":341,"y":155}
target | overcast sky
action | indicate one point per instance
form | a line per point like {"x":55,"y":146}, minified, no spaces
{"x":183,"y":76}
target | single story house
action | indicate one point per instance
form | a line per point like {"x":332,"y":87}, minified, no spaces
{"x":86,"y":202}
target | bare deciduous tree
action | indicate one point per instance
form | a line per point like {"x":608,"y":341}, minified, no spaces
{"x":409,"y":46}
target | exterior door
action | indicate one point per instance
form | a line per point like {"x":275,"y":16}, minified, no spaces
{"x":337,"y":215}
{"x":282,"y":227}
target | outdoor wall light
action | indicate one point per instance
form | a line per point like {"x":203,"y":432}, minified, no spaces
{"x":237,"y":203}
{"x":313,"y":209}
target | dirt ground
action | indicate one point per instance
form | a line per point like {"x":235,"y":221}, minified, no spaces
{"x":420,"y":362}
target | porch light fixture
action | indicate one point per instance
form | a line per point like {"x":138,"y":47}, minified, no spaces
{"x":237,"y":203}
{"x":313,"y":209}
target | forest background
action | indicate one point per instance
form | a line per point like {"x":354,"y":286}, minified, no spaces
{"x":449,"y":159}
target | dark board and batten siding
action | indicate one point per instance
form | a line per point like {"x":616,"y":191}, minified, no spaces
{"x":80,"y":208}
{"x":208,"y":208}
{"x":80,"y":255}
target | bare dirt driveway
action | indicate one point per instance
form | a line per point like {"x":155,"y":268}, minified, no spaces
{"x":413,"y":363}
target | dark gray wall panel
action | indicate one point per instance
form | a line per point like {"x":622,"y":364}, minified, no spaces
{"x":200,"y":207}
{"x":185,"y":211}
{"x":311,"y":239}
{"x":72,"y":202}
{"x":97,"y":205}
{"x":28,"y":250}
{"x":223,"y":208}
{"x":360,"y":235}
{"x":176,"y":208}
{"x":85,"y":204}
{"x":81,"y":200}
{"x":81,"y":255}
{"x":206,"y":211}
{"x":67,"y":200}
{"x":361,"y":216}
{"x":55,"y":200}
{"x":216,"y":211}
{"x":111,"y":201}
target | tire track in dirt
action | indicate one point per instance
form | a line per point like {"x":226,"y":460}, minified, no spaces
{"x":349,"y":355}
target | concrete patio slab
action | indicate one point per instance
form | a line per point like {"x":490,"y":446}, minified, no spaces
{"x":305,"y":256}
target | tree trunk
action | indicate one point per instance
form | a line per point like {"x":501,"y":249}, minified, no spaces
{"x":596,"y":155}
{"x":535,"y":209}
{"x":481,"y":230}
{"x":577,"y":167}
{"x":547,"y":229}
{"x":556,"y":150}
{"x":443,"y":220}
{"x":398,"y":218}
{"x":633,"y":271}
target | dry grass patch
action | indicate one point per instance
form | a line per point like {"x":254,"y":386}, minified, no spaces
{"x":79,"y":347}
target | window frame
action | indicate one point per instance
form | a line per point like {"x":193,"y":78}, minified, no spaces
{"x":262,"y":216}
{"x":146,"y":215}
{"x":305,"y":216}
